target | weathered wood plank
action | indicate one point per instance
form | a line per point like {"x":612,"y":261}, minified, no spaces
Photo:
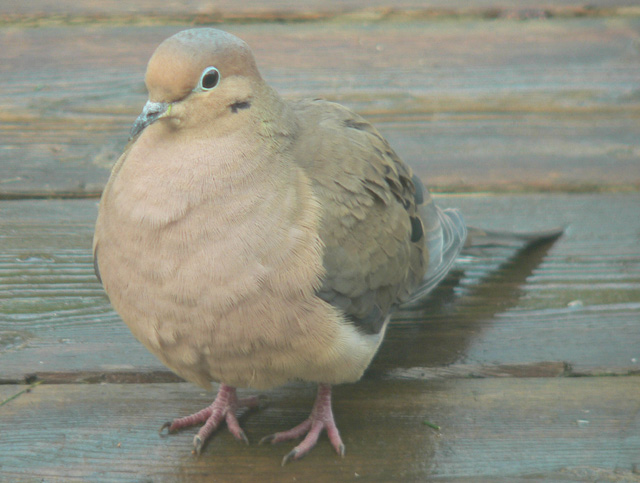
{"x":54,"y":313}
{"x":575,"y":306}
{"x":229,"y":10}
{"x":579,"y":303}
{"x":470,"y":104}
{"x":545,"y":429}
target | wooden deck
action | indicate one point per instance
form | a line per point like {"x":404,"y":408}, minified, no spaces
{"x":520,"y":367}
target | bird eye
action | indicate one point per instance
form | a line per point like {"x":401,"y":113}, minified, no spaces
{"x":209,"y":79}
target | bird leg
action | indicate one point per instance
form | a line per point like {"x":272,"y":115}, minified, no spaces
{"x":223,"y":408}
{"x":321,"y":418}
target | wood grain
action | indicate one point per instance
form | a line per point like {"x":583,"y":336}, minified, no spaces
{"x":470,"y":104}
{"x":577,"y":302}
{"x":554,"y":428}
{"x":499,"y":95}
{"x":283,"y":10}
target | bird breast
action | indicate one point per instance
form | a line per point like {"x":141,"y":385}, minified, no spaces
{"x":214,"y":256}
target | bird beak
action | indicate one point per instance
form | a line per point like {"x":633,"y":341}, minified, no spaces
{"x":151,"y":112}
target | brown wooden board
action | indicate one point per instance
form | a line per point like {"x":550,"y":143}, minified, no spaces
{"x":278,"y":10}
{"x":470,"y":104}
{"x":576,"y":302}
{"x":558,"y":429}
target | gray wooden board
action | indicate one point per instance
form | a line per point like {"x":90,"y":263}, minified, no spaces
{"x":578,"y":302}
{"x":470,"y":104}
{"x":558,"y":429}
{"x":110,"y":10}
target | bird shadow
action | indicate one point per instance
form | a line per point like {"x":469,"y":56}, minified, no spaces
{"x":487,"y":280}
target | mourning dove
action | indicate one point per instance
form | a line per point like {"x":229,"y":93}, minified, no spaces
{"x":252,"y":241}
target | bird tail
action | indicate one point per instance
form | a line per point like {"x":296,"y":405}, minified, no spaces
{"x":447,"y":235}
{"x":445,"y":232}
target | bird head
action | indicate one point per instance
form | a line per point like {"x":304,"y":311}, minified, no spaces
{"x":200,"y":78}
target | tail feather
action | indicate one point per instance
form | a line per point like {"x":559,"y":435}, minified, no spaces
{"x":446,"y":235}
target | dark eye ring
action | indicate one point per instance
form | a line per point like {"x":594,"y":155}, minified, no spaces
{"x":209,"y":79}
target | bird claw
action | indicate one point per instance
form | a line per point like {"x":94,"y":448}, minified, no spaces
{"x":267,"y":439}
{"x":198,"y":443}
{"x":223,"y":409}
{"x":295,"y":454}
{"x":291,"y":455}
{"x":166,"y":425}
{"x":321,"y":419}
{"x":242,"y":437}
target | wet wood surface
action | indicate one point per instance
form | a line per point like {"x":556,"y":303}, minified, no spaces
{"x":496,"y":308}
{"x":16,"y":11}
{"x":527,"y":361}
{"x":523,"y":324}
{"x":466,"y":102}
{"x":109,"y":432}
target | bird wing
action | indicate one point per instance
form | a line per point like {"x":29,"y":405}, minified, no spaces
{"x":379,"y":222}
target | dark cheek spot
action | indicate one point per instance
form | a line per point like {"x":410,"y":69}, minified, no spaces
{"x":235,"y":107}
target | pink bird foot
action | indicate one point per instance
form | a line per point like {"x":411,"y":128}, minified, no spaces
{"x":223,"y":408}
{"x":321,"y":418}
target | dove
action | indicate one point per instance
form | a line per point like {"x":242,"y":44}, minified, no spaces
{"x":251,"y":241}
